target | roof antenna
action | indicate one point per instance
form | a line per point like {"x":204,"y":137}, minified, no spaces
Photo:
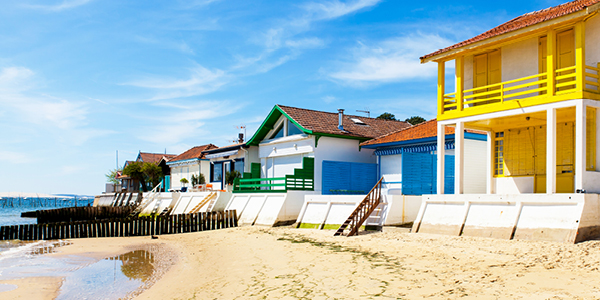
{"x":366,"y":111}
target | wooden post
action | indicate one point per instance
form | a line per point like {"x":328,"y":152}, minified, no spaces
{"x":441,"y":87}
{"x":235,"y":218}
{"x":580,"y":58}
{"x":550,"y":63}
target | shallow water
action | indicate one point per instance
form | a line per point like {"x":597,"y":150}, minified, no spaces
{"x":84,"y":277}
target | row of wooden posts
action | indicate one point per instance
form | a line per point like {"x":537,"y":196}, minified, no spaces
{"x":69,"y":214}
{"x":123,"y":227}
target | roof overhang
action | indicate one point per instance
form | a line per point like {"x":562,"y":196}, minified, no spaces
{"x":448,"y":137}
{"x":514,"y":36}
{"x":222,"y":154}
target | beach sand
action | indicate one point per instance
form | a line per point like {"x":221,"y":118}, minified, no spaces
{"x":286,"y":263}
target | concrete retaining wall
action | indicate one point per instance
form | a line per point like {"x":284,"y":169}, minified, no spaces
{"x":330,"y":211}
{"x":557,"y":217}
{"x":270,"y":209}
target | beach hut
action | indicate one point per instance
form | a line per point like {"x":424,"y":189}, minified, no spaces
{"x":406,"y":161}
{"x":161,"y":160}
{"x":188,"y":163}
{"x":237,"y":157}
{"x":306,"y":152}
{"x":532,"y":85}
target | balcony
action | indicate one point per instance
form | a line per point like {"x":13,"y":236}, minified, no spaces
{"x":567,"y":83}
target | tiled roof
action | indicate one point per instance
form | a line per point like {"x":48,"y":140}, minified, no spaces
{"x":423,"y":130}
{"x":195,"y":152}
{"x":326,"y":122}
{"x":224,"y":148}
{"x":154,"y":157}
{"x":523,"y":21}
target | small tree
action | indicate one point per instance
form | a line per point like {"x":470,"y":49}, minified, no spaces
{"x":198,"y":179}
{"x":111,"y":176}
{"x":153,"y":173}
{"x":387,"y":116}
{"x":231,"y":176}
{"x":134,"y":170}
{"x":183,"y":181}
{"x":414,"y":120}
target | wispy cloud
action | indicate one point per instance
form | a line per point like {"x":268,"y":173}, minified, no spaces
{"x":15,"y":157}
{"x":66,"y":4}
{"x":179,"y":122}
{"x":389,"y":61}
{"x":181,"y":46}
{"x":66,"y":117}
{"x":201,"y":81}
{"x":334,"y":9}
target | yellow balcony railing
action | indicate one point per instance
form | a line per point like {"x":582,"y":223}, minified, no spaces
{"x":502,"y":96}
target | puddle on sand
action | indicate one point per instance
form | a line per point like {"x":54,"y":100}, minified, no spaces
{"x":111,"y":278}
{"x":118,"y":277}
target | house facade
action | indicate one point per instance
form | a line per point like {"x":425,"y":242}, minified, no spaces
{"x":532,"y":84}
{"x":304,"y":152}
{"x":237,"y":157}
{"x":188,"y":163}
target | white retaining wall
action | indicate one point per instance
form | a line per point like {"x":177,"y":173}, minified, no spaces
{"x":557,"y":217}
{"x":335,"y":209}
{"x":268,"y":209}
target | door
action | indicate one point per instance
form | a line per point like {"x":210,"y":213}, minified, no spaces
{"x":487,"y":71}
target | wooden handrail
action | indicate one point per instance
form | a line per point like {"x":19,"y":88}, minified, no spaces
{"x":362,"y":212}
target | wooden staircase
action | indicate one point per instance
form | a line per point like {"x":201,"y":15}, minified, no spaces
{"x":212,"y":197}
{"x":362,"y":212}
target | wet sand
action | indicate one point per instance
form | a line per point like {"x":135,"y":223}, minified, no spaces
{"x":275,"y":263}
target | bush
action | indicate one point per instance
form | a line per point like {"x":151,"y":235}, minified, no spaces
{"x":231,"y":176}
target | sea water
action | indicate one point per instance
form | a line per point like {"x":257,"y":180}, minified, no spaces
{"x":83,"y":277}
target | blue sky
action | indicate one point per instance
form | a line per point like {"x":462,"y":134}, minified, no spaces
{"x":81,"y":79}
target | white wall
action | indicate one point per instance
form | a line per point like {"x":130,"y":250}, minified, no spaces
{"x":336,"y":149}
{"x":390,"y":167}
{"x":514,"y":185}
{"x":592,"y":40}
{"x":476,"y":168}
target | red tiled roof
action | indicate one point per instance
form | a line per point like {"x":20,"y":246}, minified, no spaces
{"x":523,"y":21}
{"x":154,"y":157}
{"x":195,"y":152}
{"x":419,"y":131}
{"x":326,"y":122}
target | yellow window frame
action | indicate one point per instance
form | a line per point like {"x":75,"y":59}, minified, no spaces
{"x":590,"y":139}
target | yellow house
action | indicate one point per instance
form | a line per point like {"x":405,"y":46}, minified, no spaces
{"x":533,"y":85}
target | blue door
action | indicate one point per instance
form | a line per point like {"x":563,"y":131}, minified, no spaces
{"x":419,"y":174}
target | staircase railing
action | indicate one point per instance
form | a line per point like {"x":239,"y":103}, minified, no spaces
{"x":147,"y":200}
{"x":362,"y":212}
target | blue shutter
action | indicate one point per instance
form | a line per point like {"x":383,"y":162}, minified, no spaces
{"x":449,"y":174}
{"x":418,"y":173}
{"x":347,"y":178}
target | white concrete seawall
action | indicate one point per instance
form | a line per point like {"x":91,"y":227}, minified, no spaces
{"x":557,"y":217}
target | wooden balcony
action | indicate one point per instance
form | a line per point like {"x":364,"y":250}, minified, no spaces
{"x":565,"y":84}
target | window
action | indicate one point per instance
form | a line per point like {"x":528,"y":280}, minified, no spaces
{"x":239,"y":166}
{"x":499,"y":154}
{"x":217,"y":172}
{"x":278,"y":133}
{"x":292,"y":128}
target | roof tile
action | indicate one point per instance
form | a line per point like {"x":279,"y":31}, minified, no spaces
{"x":195,"y":152}
{"x":523,"y":21}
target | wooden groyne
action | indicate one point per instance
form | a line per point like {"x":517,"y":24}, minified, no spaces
{"x":69,"y":214}
{"x":10,"y":202}
{"x":124,"y":227}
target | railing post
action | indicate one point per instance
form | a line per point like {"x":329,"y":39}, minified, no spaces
{"x":580,"y":56}
{"x":459,"y":82}
{"x":598,"y":73}
{"x":440,"y":87}
{"x":550,"y":69}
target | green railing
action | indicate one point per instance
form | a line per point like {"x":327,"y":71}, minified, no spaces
{"x":301,"y":180}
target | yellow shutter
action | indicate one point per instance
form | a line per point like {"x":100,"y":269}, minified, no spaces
{"x":565,"y":48}
{"x":590,"y":139}
{"x":519,"y":154}
{"x":494,"y":67}
{"x":480,"y":65}
{"x":543,"y":53}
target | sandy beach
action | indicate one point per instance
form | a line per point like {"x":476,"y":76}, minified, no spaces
{"x":285,"y":263}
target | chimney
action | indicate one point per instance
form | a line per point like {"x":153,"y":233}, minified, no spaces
{"x":341,"y":115}
{"x":241,"y":138}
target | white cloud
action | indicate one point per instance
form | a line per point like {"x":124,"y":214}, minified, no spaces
{"x":181,"y":46}
{"x":329,"y":99}
{"x":201,"y":81}
{"x":306,"y":43}
{"x":179,"y":122}
{"x":335,"y":8}
{"x":392,"y":60}
{"x":63,"y":117}
{"x":15,"y":157}
{"x":66,"y":4}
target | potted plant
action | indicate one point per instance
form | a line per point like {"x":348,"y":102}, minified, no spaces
{"x":183,"y":181}
{"x":230,"y":177}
